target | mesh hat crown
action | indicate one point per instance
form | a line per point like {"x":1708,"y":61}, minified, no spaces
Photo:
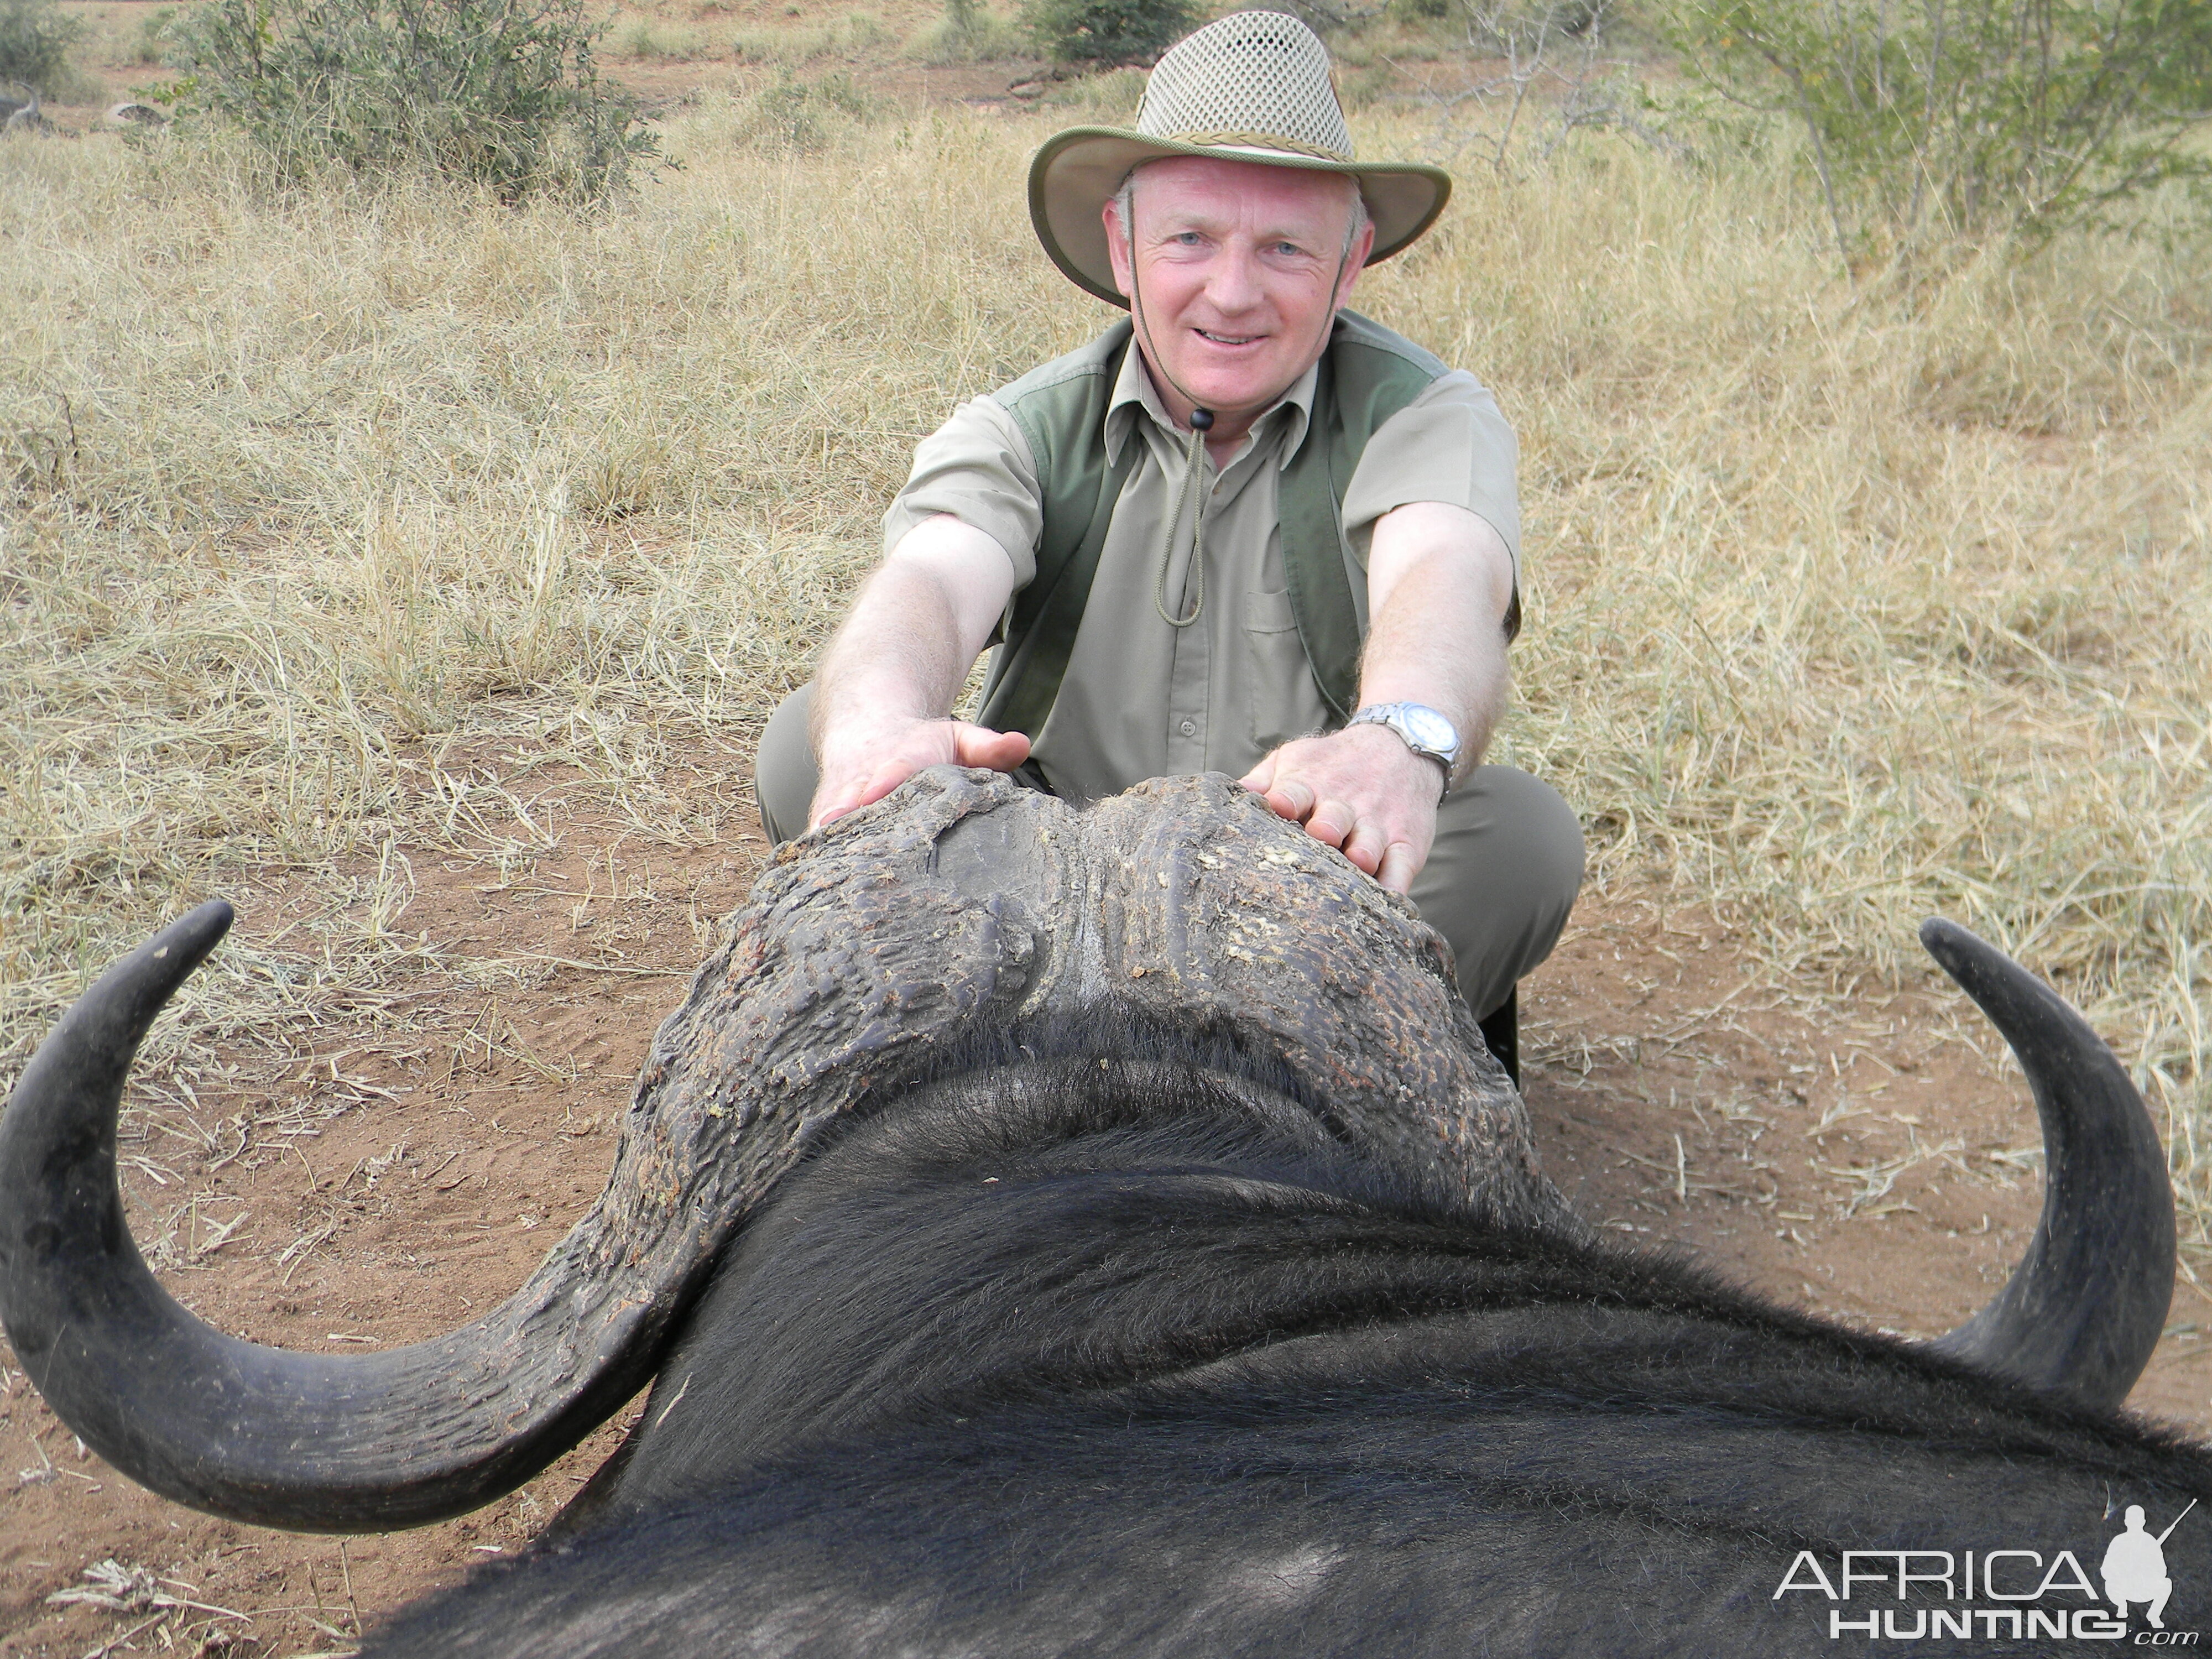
{"x":1253,"y":87}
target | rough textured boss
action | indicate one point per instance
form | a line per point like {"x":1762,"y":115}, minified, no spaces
{"x":1062,"y":1231}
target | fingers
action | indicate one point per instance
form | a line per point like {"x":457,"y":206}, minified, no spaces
{"x":1331,"y":822}
{"x":1291,"y":800}
{"x":1360,"y":790}
{"x":978,"y":745}
{"x":831,"y":804}
{"x":883,"y":760}
{"x":1401,"y":862}
{"x":1367,"y":845}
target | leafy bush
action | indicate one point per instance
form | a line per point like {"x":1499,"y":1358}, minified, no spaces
{"x":150,"y":45}
{"x":971,"y":33}
{"x":1107,"y":31}
{"x":502,"y":92}
{"x":34,"y":45}
{"x":1970,"y":114}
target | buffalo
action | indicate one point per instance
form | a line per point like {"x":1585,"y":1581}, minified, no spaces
{"x":1103,"y":1231}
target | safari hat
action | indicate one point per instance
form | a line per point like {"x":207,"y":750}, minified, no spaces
{"x":1253,"y":87}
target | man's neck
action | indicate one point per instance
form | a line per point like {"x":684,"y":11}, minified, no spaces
{"x":1231,"y":426}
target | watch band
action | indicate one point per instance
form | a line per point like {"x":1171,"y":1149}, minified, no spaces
{"x":1422,"y":729}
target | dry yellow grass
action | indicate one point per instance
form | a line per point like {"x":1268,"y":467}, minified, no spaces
{"x":1845,"y":606}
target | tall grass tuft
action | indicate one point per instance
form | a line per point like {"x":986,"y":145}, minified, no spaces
{"x":1846,"y":605}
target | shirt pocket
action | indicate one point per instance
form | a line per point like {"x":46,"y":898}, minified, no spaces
{"x":1276,"y":674}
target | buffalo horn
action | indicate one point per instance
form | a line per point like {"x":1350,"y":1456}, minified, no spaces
{"x":960,"y":900}
{"x":312,"y":1440}
{"x":2084,"y":1308}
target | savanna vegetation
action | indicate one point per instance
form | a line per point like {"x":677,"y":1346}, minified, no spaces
{"x":36,"y":41}
{"x":359,"y":468}
{"x":1851,"y":598}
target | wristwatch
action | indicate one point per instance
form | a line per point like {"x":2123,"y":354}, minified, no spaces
{"x":1425,"y":731}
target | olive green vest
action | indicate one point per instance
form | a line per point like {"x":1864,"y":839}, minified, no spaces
{"x":1366,"y":376}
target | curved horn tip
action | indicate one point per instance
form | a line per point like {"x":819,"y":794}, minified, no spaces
{"x":199,"y":931}
{"x":2086,"y":1304}
{"x":311,"y":1441}
{"x":164,"y":962}
{"x":1958,"y":950}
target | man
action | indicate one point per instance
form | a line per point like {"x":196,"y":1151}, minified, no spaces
{"x":1181,"y":534}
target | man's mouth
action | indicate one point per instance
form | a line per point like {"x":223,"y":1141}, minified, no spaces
{"x":1227,"y":339}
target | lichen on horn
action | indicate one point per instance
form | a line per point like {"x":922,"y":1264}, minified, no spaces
{"x":860,"y":951}
{"x":2086,"y":1304}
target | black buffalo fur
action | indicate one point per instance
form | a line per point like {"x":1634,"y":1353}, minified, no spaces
{"x":1033,"y":1359}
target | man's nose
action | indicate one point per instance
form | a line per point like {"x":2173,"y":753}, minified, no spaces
{"x":1233,"y":284}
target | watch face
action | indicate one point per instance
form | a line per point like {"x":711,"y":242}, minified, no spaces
{"x":1427,"y":729}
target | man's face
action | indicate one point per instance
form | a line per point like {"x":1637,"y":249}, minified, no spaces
{"x":1235,"y":262}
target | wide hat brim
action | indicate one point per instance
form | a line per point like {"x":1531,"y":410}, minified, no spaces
{"x":1077,"y":172}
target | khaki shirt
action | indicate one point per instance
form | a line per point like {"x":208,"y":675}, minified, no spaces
{"x":1141,"y":698}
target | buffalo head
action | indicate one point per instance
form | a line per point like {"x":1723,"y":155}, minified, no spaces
{"x":960,"y":904}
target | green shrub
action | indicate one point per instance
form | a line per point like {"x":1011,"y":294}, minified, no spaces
{"x":1106,"y":31}
{"x":857,"y":34}
{"x":500,"y":93}
{"x":150,"y":45}
{"x":1969,"y":115}
{"x":971,"y":33}
{"x":35,"y":47}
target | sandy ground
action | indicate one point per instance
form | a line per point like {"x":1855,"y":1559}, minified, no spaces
{"x":1869,"y":1158}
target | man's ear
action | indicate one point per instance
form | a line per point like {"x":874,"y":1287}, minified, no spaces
{"x":1361,"y":245}
{"x":1117,"y":245}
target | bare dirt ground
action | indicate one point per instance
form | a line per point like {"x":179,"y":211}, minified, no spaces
{"x":1871,"y":1159}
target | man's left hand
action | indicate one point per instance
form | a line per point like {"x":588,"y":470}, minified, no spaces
{"x":1360,"y":790}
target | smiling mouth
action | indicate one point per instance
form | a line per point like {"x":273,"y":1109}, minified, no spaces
{"x":1228,"y":339}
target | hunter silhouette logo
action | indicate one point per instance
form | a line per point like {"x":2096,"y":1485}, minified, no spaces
{"x":2010,"y":1595}
{"x":2135,"y":1566}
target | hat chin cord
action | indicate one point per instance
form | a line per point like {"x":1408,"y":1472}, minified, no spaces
{"x":1201,"y":423}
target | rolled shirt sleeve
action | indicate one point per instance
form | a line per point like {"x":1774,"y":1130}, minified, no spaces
{"x":976,"y":467}
{"x":1450,"y":444}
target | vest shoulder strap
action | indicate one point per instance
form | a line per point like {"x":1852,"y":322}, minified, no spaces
{"x":1061,"y":408}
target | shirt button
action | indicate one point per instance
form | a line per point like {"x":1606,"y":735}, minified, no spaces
{"x":1189,"y":728}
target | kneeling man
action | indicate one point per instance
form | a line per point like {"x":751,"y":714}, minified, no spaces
{"x":1244,"y":531}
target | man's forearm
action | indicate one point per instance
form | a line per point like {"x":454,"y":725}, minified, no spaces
{"x":1437,"y":635}
{"x":897,"y":655}
{"x":904,"y":650}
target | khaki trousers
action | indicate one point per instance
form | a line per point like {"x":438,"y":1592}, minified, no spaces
{"x":1500,"y":879}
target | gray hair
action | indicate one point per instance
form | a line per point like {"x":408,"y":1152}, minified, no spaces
{"x":1357,"y":222}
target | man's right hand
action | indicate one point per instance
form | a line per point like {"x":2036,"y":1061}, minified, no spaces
{"x":902,"y":652}
{"x":860,"y":767}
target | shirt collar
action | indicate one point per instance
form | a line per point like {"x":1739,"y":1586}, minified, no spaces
{"x":1134,"y":394}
